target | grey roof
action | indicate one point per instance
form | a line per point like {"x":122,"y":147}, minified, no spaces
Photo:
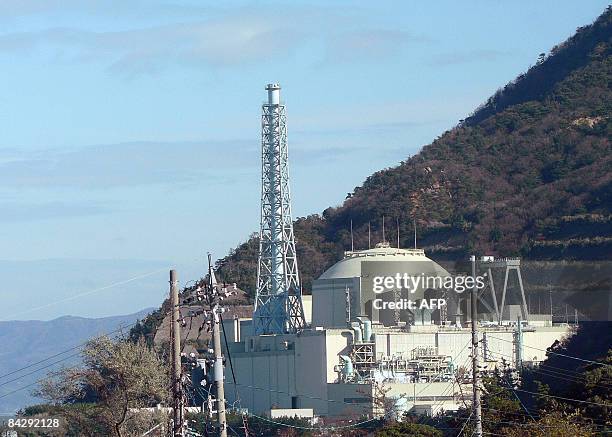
{"x":413,"y":261}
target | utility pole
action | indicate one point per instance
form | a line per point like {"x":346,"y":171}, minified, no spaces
{"x":398,"y":231}
{"x":384,"y":240}
{"x":519,"y":344}
{"x":475,"y":376}
{"x":177,"y":390}
{"x":551,"y":307}
{"x":209,"y":294}
{"x":575,"y":316}
{"x":218,"y":357}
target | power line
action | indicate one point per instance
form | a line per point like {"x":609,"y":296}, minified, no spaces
{"x":517,"y":413}
{"x":557,"y":353}
{"x":38,"y":370}
{"x":314,"y":428}
{"x":35,"y":382}
{"x":563,"y":398}
{"x":229,"y":355}
{"x":121,"y":328}
{"x":525,"y":424}
{"x":21,"y":388}
{"x":562,"y":369}
{"x":67,"y":350}
{"x":569,"y":378}
{"x":441,"y":402}
{"x":574,"y":378}
{"x":465,"y":423}
{"x":517,"y":398}
{"x":85,"y":293}
{"x":453,"y":359}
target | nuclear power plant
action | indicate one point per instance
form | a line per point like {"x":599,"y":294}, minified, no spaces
{"x":370,"y":321}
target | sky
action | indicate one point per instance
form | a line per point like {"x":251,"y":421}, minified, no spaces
{"x":130,"y":130}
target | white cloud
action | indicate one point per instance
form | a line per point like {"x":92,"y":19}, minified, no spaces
{"x":240,"y":39}
{"x":128,"y":164}
{"x":466,"y":57}
{"x":366,"y":45}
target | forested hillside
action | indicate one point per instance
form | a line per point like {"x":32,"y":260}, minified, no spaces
{"x":528,"y":173}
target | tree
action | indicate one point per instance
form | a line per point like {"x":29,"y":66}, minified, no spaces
{"x":408,"y":429}
{"x":554,"y":424}
{"x":115,"y":377}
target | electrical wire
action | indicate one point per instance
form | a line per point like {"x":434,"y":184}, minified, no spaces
{"x":516,"y":413}
{"x":188,"y":332}
{"x":441,"y":402}
{"x":314,"y":428}
{"x":229,"y":355}
{"x":570,"y":378}
{"x":556,"y":353}
{"x":121,"y":328}
{"x":86,"y":293}
{"x":563,"y":398}
{"x":453,"y":359}
{"x":465,"y":423}
{"x":38,"y":370}
{"x":56,"y":362}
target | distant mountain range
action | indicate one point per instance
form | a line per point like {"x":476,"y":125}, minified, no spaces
{"x":528,"y":173}
{"x":23,"y":343}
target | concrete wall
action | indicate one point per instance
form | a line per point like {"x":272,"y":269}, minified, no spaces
{"x":280,"y":371}
{"x":311,"y":371}
{"x":286,"y":371}
{"x":350,"y":399}
{"x":307,"y":304}
{"x":264,"y":379}
{"x":236,"y":329}
{"x":456,"y":343}
{"x":329,"y":302}
{"x":355,"y":399}
{"x":535,"y":343}
{"x":337,"y":342}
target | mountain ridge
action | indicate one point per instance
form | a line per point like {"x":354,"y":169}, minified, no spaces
{"x":526,"y":174}
{"x":29,"y":341}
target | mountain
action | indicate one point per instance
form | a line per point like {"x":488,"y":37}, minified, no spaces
{"x":25,"y":342}
{"x":528,"y":173}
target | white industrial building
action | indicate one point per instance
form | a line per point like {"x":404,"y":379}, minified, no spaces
{"x":351,"y":347}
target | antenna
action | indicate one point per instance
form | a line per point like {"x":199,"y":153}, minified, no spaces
{"x":383,"y":230}
{"x":369,"y":236}
{"x":398,"y":233}
{"x":352,"y":240}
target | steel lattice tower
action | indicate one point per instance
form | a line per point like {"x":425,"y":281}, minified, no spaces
{"x":278,"y":304}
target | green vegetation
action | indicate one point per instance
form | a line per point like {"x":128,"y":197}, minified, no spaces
{"x":97,"y":397}
{"x":527,"y":174}
{"x":408,"y":429}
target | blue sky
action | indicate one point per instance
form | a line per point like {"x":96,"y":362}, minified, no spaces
{"x":130,"y":129}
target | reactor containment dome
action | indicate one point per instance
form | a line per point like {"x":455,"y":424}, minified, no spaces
{"x":354,"y":288}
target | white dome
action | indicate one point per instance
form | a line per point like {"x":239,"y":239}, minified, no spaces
{"x":363,"y":275}
{"x":350,"y":266}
